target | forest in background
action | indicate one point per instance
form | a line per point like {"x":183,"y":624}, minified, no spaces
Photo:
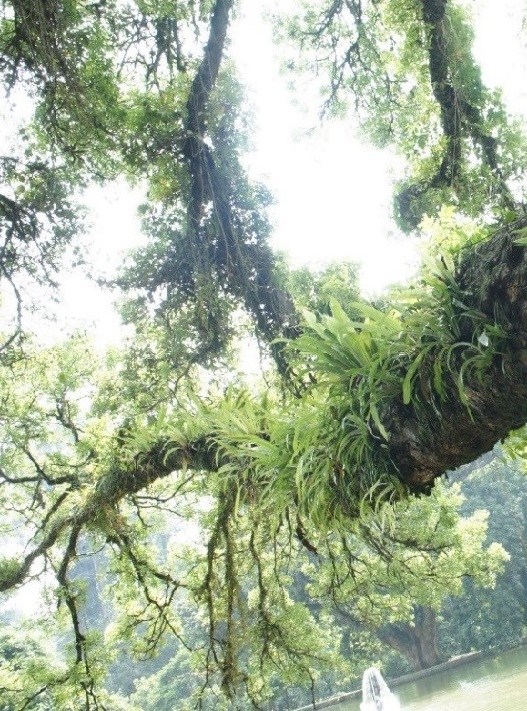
{"x":184,"y":533}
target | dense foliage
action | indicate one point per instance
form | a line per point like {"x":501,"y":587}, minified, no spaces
{"x":266,"y":538}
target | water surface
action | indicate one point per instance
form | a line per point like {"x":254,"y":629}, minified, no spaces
{"x":496,"y":684}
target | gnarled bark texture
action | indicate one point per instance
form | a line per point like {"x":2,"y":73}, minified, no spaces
{"x":493,"y":277}
{"x":416,"y":642}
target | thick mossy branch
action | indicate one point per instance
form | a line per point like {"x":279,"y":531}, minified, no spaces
{"x":324,"y":457}
{"x":159,"y":462}
{"x":483,"y":397}
{"x":492,"y":277}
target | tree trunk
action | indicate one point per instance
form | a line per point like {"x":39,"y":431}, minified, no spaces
{"x":416,"y":642}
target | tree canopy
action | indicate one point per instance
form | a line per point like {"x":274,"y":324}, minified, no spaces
{"x":315,"y":468}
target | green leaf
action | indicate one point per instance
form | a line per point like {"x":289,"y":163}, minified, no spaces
{"x":376,"y":418}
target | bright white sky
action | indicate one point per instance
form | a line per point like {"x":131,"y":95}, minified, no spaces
{"x":333,"y":193}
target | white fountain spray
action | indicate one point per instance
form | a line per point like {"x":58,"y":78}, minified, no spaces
{"x":376,"y":696}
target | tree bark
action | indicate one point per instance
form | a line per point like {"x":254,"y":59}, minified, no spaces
{"x":416,"y":642}
{"x":493,"y":279}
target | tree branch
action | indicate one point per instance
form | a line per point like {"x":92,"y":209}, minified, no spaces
{"x":460,"y":119}
{"x":248,"y":269}
{"x":492,"y":276}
